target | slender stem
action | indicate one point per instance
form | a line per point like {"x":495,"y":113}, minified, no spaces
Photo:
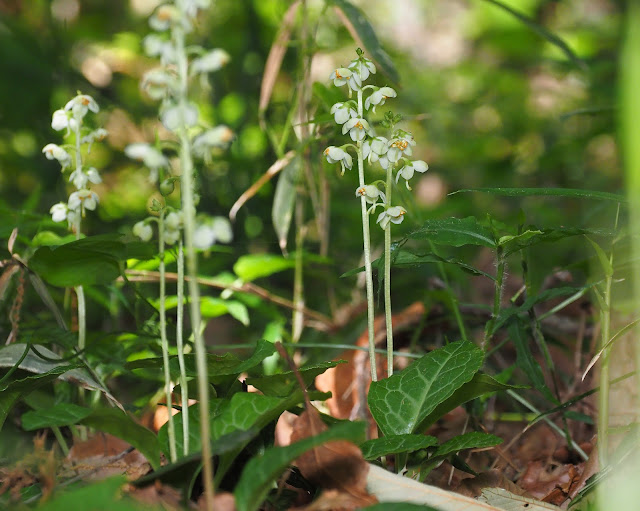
{"x":188,"y":209}
{"x":298,"y":277}
{"x":497,"y":299}
{"x":171,"y":430}
{"x":387,"y":277}
{"x":180,"y":344}
{"x":367,"y":257}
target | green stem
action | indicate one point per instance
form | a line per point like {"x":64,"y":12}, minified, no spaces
{"x":387,"y":278}
{"x":603,"y":397}
{"x":497,"y":298}
{"x":367,"y":256}
{"x":298,"y":280}
{"x":188,"y":209}
{"x":184,"y":391}
{"x":171,"y":430}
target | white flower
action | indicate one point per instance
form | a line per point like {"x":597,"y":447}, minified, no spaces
{"x":210,"y":230}
{"x":393,"y":214}
{"x":371,"y":194}
{"x":399,"y":145}
{"x":58,"y":212}
{"x":173,"y":221}
{"x":171,"y":236}
{"x":343,"y":75}
{"x":362,"y":67}
{"x":95,"y":136}
{"x":190,"y":7}
{"x":80,"y":105}
{"x":143,"y":230}
{"x":80,"y":179}
{"x":356,"y":127}
{"x":210,"y":62}
{"x":167,"y":15}
{"x":157,"y":83}
{"x":219,"y":137}
{"x":407,"y":170}
{"x":336,"y":154}
{"x":63,"y":120}
{"x":147,"y":154}
{"x":174,"y":117}
{"x":156,"y":46}
{"x":55,"y":152}
{"x":379,"y":97}
{"x":343,"y":112}
{"x":85,"y":198}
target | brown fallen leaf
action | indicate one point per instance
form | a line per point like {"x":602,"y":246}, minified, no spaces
{"x":336,"y":465}
{"x":222,"y":501}
{"x":159,"y":495}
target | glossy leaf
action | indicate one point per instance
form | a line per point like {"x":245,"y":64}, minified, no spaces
{"x":511,"y":244}
{"x":480,"y":385}
{"x":569,"y":193}
{"x":362,"y":31}
{"x":395,"y":444}
{"x":472,"y":440}
{"x":261,"y":471}
{"x":400,"y":404}
{"x":62,"y":414}
{"x":255,"y":266}
{"x":454,"y":232}
{"x":283,"y":384}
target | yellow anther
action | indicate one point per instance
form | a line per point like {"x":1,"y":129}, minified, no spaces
{"x":338,"y":74}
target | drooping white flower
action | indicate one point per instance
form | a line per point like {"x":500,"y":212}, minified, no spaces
{"x":158,"y":83}
{"x":191,"y":7}
{"x":147,"y":154}
{"x":357,"y":128}
{"x":95,"y":136}
{"x":167,"y":15}
{"x":400,"y":145}
{"x":211,"y":230}
{"x":85,"y":198}
{"x":143,"y":230}
{"x":379,"y":97}
{"x":210,"y":62}
{"x":340,"y":76}
{"x":173,"y":220}
{"x":80,"y":105}
{"x":408,"y":170}
{"x":336,"y":154}
{"x":371,"y":194}
{"x":342,"y":112}
{"x":156,"y":46}
{"x":171,"y":236}
{"x":80,"y":179}
{"x":58,"y":212}
{"x":218,"y":137}
{"x":362,"y":67}
{"x":175,"y":117}
{"x":55,"y":152}
{"x":63,"y":120}
{"x":393,"y":214}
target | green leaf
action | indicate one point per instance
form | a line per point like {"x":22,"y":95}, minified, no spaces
{"x":91,"y":260}
{"x":454,"y":232}
{"x":62,"y":414}
{"x":360,"y":29}
{"x":284,"y":200}
{"x":284,"y":383}
{"x":530,"y":238}
{"x":480,"y":385}
{"x":395,"y":444}
{"x":605,"y":262}
{"x":119,"y":424}
{"x":101,"y":496}
{"x":217,"y":365}
{"x":246,"y":410}
{"x":400,"y":404}
{"x":472,"y":440}
{"x":569,"y":193}
{"x":261,"y":471}
{"x":542,"y":32}
{"x":254,"y":266}
{"x":526,"y":361}
{"x":212,"y":307}
{"x":13,"y":390}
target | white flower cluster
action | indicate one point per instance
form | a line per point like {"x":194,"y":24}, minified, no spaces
{"x":391,"y":153}
{"x":165,"y":83}
{"x":71,"y":119}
